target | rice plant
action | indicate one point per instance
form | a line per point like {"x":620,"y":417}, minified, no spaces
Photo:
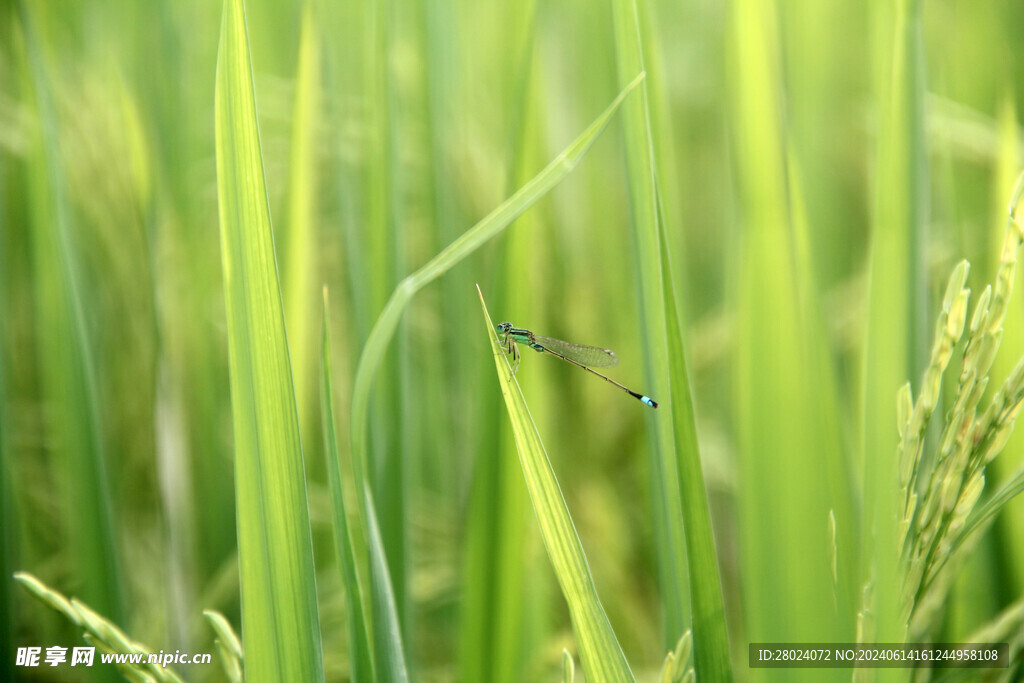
{"x":253,"y":403}
{"x":943,"y":508}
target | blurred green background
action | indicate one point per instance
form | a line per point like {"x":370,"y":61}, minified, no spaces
{"x":418,"y":119}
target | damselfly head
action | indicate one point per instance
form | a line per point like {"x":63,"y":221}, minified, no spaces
{"x":503,"y":328}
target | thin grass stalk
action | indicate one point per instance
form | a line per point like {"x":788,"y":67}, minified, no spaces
{"x":646,"y":228}
{"x":360,"y":651}
{"x":712,"y":653}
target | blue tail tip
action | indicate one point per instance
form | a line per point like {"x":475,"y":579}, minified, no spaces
{"x":649,"y":401}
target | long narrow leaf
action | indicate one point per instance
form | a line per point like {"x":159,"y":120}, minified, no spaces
{"x":300,"y":254}
{"x":390,"y":655}
{"x":646,"y":222}
{"x":359,"y":627}
{"x":280,"y":623}
{"x":600,"y":652}
{"x":710,"y":633}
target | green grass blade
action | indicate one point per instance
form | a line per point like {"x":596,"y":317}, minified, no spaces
{"x":280,"y":622}
{"x":646,"y":222}
{"x":300,"y":272}
{"x":600,"y":652}
{"x":709,"y":628}
{"x":359,"y":628}
{"x":67,"y":369}
{"x":895,"y":336}
{"x":389,"y":652}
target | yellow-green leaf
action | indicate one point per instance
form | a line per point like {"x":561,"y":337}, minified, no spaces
{"x":600,"y":652}
{"x":280,"y":622}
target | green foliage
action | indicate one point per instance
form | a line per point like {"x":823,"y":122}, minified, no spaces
{"x":281,"y":623}
{"x":762,"y":226}
{"x":600,"y":651}
{"x":360,"y":653}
